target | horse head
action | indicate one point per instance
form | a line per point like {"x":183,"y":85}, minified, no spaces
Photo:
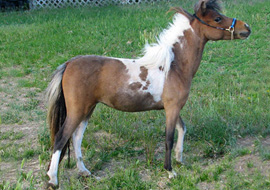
{"x":216,"y":26}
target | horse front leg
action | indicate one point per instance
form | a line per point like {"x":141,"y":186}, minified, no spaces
{"x":181,"y":128}
{"x":172,"y":115}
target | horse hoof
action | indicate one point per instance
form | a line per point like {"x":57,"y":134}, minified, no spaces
{"x":84,"y":173}
{"x":172,"y":174}
{"x":179,"y":158}
{"x":51,"y":186}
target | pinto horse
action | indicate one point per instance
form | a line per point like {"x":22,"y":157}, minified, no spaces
{"x":160,"y":79}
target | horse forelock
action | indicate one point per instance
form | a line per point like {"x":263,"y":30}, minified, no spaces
{"x":160,"y":54}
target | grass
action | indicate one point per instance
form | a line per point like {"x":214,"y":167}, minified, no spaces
{"x":228,"y":103}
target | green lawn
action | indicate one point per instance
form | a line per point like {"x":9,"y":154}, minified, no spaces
{"x":227,"y":114}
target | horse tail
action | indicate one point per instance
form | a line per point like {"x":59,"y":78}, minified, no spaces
{"x":56,"y":106}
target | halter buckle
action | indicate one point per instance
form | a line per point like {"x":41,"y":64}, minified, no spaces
{"x":231,"y":30}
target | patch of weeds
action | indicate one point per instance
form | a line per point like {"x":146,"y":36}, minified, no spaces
{"x":31,"y":94}
{"x":11,"y":117}
{"x":266,"y":155}
{"x":11,"y":135}
{"x":124,"y":178}
{"x":4,"y":185}
{"x":254,"y":180}
{"x":75,"y":183}
{"x":30,"y":105}
{"x":264,"y":151}
{"x":25,"y":83}
{"x":100,"y":161}
{"x":187,"y":180}
{"x":11,"y":151}
{"x":99,"y":156}
{"x":240,"y":151}
{"x":150,"y":140}
{"x":24,"y":179}
{"x":204,"y":176}
{"x":127,"y":179}
{"x":215,"y":135}
{"x":217,"y":171}
{"x":250,"y":164}
{"x":16,"y":72}
{"x":71,"y":163}
{"x":45,"y":144}
{"x":29,"y":153}
{"x":212,"y":173}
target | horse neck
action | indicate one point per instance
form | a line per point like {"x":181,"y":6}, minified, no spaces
{"x":188,"y":54}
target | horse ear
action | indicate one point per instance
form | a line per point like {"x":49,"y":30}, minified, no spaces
{"x":200,"y":7}
{"x":203,"y":7}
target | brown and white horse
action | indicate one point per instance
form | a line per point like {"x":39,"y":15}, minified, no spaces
{"x":160,"y":79}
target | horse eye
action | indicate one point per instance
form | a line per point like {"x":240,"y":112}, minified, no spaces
{"x":218,"y":19}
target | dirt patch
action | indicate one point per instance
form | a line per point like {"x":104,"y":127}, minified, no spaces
{"x":103,"y":134}
{"x":162,"y":183}
{"x":29,"y":139}
{"x":108,"y":168}
{"x":246,"y":142}
{"x":30,"y":131}
{"x":249,"y":164}
{"x":266,"y":142}
{"x":206,"y":186}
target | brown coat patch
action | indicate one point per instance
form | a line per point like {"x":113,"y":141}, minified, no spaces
{"x":146,"y":86}
{"x":143,"y":74}
{"x":135,"y":86}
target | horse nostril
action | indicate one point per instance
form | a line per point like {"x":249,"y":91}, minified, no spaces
{"x":244,"y":34}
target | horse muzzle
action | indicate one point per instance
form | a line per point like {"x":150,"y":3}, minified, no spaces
{"x":246,"y":33}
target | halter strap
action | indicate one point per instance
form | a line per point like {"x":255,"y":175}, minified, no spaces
{"x":230,"y":29}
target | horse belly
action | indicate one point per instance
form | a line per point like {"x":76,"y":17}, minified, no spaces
{"x":134,"y":102}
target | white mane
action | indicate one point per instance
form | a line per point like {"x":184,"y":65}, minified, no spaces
{"x":160,"y":54}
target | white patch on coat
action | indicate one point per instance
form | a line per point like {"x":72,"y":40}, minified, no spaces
{"x":155,"y":78}
{"x":160,"y":54}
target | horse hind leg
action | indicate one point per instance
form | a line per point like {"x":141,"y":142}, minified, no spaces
{"x":77,"y":142}
{"x":52,"y":173}
{"x":62,"y":137}
{"x":181,"y":128}
{"x":77,"y":137}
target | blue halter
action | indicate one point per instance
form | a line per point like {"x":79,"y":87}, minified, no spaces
{"x":233,"y":23}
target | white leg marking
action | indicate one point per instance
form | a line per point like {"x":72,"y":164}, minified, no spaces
{"x":52,"y":173}
{"x":180,"y":142}
{"x":77,"y":142}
